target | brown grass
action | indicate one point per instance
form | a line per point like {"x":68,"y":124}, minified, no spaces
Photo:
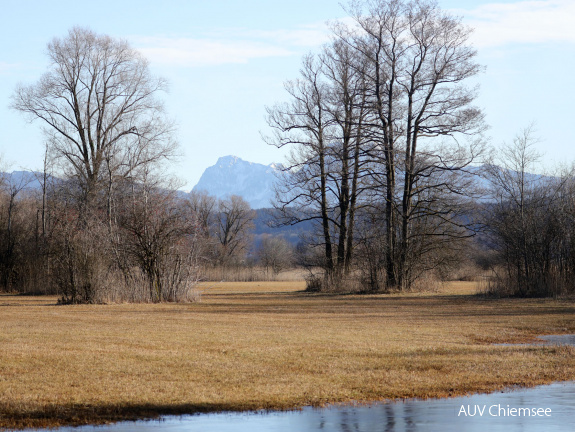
{"x":266,"y":345}
{"x":250,"y":274}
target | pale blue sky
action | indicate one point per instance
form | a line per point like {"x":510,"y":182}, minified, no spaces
{"x":227,"y":59}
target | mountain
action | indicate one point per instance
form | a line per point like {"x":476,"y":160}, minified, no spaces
{"x":233,"y":176}
{"x":22,"y":180}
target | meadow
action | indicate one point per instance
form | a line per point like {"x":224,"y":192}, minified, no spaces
{"x":267,"y":345}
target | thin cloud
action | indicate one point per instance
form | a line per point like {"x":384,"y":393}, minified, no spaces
{"x":225,"y":46}
{"x":205,"y":52}
{"x":6,"y":67}
{"x":310,"y":35}
{"x":533,"y":21}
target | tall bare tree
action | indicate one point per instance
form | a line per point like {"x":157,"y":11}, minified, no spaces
{"x":98,"y":103}
{"x":321,"y":180}
{"x":418,"y":60}
{"x":302,"y":193}
{"x":106,"y":128}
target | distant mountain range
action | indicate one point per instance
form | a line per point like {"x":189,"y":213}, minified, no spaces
{"x":233,"y":176}
{"x":229,"y":176}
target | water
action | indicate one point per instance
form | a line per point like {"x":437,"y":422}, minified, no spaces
{"x":551,"y":408}
{"x":567,"y":339}
{"x":446,"y":415}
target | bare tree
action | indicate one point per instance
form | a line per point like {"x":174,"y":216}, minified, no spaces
{"x":275,"y":253}
{"x":107,"y":130}
{"x":322,"y":179}
{"x":159,"y":238}
{"x":418,"y":58}
{"x":302,"y":193}
{"x":232,"y":229}
{"x":98,"y":101}
{"x":203,"y":207}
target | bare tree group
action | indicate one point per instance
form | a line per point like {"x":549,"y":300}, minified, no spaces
{"x":226,"y":226}
{"x":385,"y":141}
{"x":529,"y":222}
{"x":111,"y":229}
{"x":383,"y":130}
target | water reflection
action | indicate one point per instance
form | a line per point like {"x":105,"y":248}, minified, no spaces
{"x":412,"y":416}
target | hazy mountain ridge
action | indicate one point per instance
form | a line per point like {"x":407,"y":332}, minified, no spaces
{"x":23,"y":180}
{"x":232,"y":175}
{"x":254,"y":182}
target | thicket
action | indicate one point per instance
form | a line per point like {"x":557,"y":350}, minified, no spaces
{"x":50,"y":245}
{"x":138,"y":242}
{"x":529,"y":224}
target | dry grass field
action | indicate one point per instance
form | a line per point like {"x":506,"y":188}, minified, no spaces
{"x":266,"y":345}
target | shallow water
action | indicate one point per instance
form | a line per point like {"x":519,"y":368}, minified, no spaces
{"x":567,"y":339}
{"x":446,"y":415}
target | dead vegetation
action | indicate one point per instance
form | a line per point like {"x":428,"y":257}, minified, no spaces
{"x":266,"y":346}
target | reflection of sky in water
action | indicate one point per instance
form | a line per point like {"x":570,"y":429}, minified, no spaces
{"x":412,"y":416}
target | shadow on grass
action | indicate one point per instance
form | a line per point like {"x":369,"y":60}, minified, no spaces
{"x":51,"y":416}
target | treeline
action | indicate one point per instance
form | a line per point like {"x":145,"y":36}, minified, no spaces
{"x":385,"y":146}
{"x":136,"y":244}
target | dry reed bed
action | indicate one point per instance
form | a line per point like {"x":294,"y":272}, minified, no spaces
{"x":266,"y":346}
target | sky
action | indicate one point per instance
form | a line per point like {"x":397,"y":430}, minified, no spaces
{"x":226,"y":60}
